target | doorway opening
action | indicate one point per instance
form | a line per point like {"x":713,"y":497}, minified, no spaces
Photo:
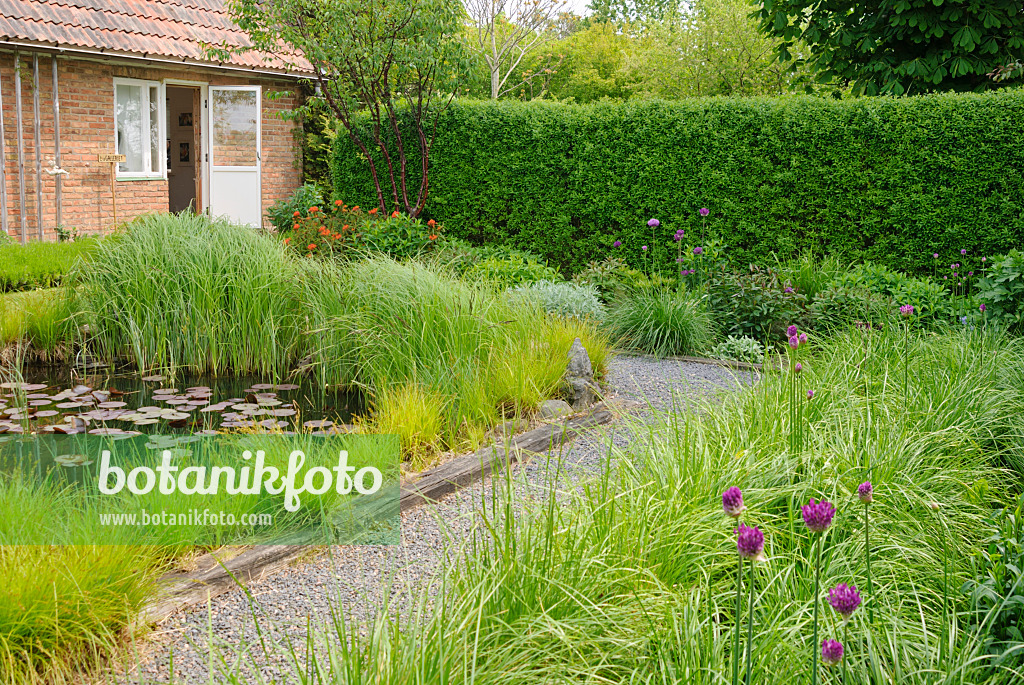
{"x":184,"y":172}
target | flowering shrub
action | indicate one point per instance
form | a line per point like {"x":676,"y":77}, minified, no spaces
{"x":399,"y":235}
{"x":318,"y":232}
{"x":282,"y":212}
{"x":756,"y":304}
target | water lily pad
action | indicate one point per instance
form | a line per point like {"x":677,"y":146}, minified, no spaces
{"x":154,"y":379}
{"x":77,"y":421}
{"x":69,"y":405}
{"x":244,"y":406}
{"x":45,"y":413}
{"x":106,"y":431}
{"x":10,"y":428}
{"x":112,"y":405}
{"x":38,"y":396}
{"x":286,"y":386}
{"x":319,"y":423}
{"x":39,"y":403}
{"x":80,"y":389}
{"x":262,"y":386}
{"x":174,"y":415}
{"x":177,"y":400}
{"x":213,"y":407}
{"x":198,"y":402}
{"x":268,"y":402}
{"x":150,"y":410}
{"x":198,"y":389}
{"x":208,"y":431}
{"x":64,"y":429}
{"x":72,"y":460}
{"x":100,"y":395}
{"x":165,"y":391}
{"x":145,"y":421}
{"x":282,"y":411}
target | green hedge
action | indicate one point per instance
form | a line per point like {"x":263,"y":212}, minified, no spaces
{"x":881,"y":179}
{"x":39,"y":264}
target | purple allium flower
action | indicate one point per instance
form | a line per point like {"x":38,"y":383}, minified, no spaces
{"x":935,"y":256}
{"x":802,"y":337}
{"x":732,"y":502}
{"x":679,"y":235}
{"x":945,"y":277}
{"x":865,"y":492}
{"x":970,"y":273}
{"x":791,"y":330}
{"x":844,"y":598}
{"x":644,"y":248}
{"x":617,"y":243}
{"x":799,"y":367}
{"x":907,"y":310}
{"x":654,"y":223}
{"x":984,"y":259}
{"x":794,"y":342}
{"x":818,"y":515}
{"x":981,"y":307}
{"x":810,"y":394}
{"x":788,"y":290}
{"x":963,"y":251}
{"x":704,"y":211}
{"x":750,"y":542}
{"x":831,"y":652}
{"x":698,"y":250}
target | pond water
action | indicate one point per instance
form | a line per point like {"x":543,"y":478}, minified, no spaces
{"x":103,"y":402}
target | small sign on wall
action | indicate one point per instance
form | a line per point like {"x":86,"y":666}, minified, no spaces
{"x":113,"y":159}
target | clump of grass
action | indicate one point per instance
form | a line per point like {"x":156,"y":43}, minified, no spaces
{"x":187,"y":292}
{"x":662,"y":323}
{"x":414,"y":414}
{"x":42,"y":320}
{"x":40,"y":264}
{"x":635,"y":575}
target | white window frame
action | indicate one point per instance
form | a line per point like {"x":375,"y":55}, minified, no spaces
{"x":161,"y":115}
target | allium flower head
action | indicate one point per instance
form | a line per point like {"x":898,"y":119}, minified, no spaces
{"x":981,"y":307}
{"x":984,"y":259}
{"x":963,"y":251}
{"x":802,"y":338}
{"x":865,"y":492}
{"x":679,"y":235}
{"x":617,"y":243}
{"x":818,"y":515}
{"x":907,"y":310}
{"x":644,"y":248}
{"x":810,"y":394}
{"x":794,"y":342}
{"x":750,"y":542}
{"x":704,"y":211}
{"x":799,"y":367}
{"x":654,"y":223}
{"x":844,"y":598}
{"x":698,"y":250}
{"x":831,"y":652}
{"x":788,"y":290}
{"x":791,"y":331}
{"x":935,"y":256}
{"x":732,"y":502}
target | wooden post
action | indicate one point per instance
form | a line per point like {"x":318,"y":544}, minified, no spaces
{"x":114,"y":160}
{"x":37,"y":144}
{"x":56,"y":147}
{"x":21,"y":148}
{"x":3,"y":169}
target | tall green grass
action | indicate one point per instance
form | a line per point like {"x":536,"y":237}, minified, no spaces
{"x":632,"y":581}
{"x":40,"y":264}
{"x":43,"y":320}
{"x":662,"y":322}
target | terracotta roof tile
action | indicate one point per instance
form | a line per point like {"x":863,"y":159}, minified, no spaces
{"x":174,"y":29}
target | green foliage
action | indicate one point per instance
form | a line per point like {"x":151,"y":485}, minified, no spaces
{"x":900,"y":47}
{"x":40,"y":264}
{"x":613,"y":278}
{"x":932,"y":302}
{"x":282,"y":212}
{"x":996,"y":590}
{"x":756,"y":304}
{"x":661,"y":322}
{"x":568,"y":300}
{"x":400,"y":236}
{"x":808,"y":274}
{"x":740,"y":349}
{"x":1001,"y":288}
{"x":838,"y":307}
{"x":879,"y":179}
{"x":511,"y":271}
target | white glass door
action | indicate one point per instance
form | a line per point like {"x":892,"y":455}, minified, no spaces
{"x":235,"y":154}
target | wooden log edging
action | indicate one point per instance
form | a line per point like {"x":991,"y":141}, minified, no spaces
{"x":216,"y":573}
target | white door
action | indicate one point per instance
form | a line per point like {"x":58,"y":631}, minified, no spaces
{"x":235,"y":154}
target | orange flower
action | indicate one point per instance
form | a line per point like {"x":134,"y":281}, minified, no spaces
{"x":287,"y":240}
{"x":373,"y":211}
{"x":345,"y":227}
{"x":394,"y":214}
{"x":314,"y":209}
{"x":335,"y":235}
{"x":431,"y":223}
{"x":296,"y":227}
{"x":356,"y":208}
{"x":312,"y":246}
{"x":323,"y":230}
{"x":432,"y":237}
{"x":296,"y":213}
{"x":337,"y":203}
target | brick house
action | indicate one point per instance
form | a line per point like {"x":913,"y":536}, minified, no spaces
{"x":84,"y":80}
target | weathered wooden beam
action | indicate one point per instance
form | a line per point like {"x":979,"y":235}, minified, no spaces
{"x":3,"y":169}
{"x":58,"y":188}
{"x":22,"y":224}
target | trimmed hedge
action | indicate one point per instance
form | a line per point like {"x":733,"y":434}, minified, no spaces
{"x":885,"y":180}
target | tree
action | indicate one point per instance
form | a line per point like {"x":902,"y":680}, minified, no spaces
{"x":900,"y":46}
{"x":626,"y":11}
{"x":395,"y":62}
{"x":504,"y":32}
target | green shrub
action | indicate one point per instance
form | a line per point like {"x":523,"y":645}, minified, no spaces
{"x":932,"y":302}
{"x":613,"y":278}
{"x":890,"y":180}
{"x":756,"y":304}
{"x":400,"y":236}
{"x":839,"y":306}
{"x":1001,"y":289}
{"x":564,"y":299}
{"x":459,"y":256}
{"x":808,"y":274}
{"x":282,"y":212}
{"x":40,"y":264}
{"x":662,"y":323}
{"x":511,"y":271}
{"x":740,"y":349}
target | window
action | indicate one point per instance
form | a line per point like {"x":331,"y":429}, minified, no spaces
{"x":138,"y":112}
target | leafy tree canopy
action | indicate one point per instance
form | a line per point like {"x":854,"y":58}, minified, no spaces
{"x":901,"y":46}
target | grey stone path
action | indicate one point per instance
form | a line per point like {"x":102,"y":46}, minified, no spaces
{"x":361,"y":579}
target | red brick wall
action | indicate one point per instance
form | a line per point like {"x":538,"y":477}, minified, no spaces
{"x":86,"y":94}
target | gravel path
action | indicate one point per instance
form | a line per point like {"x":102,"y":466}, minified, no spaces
{"x":360,"y":580}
